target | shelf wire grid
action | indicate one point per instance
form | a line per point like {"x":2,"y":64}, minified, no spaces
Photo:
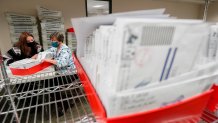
{"x":38,"y":99}
{"x":209,"y":117}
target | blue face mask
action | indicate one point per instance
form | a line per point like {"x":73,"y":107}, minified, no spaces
{"x":54,"y":44}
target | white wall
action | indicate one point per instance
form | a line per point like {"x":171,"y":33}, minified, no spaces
{"x":177,"y":9}
{"x":213,"y":12}
{"x":69,"y":8}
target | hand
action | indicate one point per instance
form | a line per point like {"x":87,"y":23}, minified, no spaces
{"x":50,"y":61}
{"x":39,"y":48}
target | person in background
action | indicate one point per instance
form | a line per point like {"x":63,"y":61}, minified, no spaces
{"x":63,"y":60}
{"x":62,"y":55}
{"x":26,"y":47}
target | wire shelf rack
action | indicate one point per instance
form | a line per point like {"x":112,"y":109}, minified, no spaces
{"x":209,"y":117}
{"x":59,"y":98}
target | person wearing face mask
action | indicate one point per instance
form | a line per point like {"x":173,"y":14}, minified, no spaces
{"x":62,"y":55}
{"x":62,"y":59}
{"x":26,"y":47}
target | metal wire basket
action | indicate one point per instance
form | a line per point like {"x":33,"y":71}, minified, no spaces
{"x":46,"y":98}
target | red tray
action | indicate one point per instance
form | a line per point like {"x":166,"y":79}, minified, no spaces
{"x":30,"y":71}
{"x":188,"y":110}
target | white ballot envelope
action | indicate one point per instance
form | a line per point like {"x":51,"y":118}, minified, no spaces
{"x":123,"y":103}
{"x":44,"y":55}
{"x":154,"y":50}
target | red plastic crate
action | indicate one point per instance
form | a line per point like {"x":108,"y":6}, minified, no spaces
{"x":212,"y":107}
{"x":70,"y":30}
{"x":213,"y":102}
{"x":30,"y":71}
{"x":188,"y":110}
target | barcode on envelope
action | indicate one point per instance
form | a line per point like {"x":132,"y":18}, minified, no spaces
{"x":157,"y":35}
